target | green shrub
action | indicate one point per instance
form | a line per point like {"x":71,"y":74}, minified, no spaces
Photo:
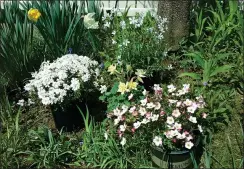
{"x":137,"y":41}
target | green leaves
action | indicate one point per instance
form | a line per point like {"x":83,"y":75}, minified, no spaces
{"x":220,"y":69}
{"x":233,"y":5}
{"x":48,"y":149}
{"x":192,"y":75}
{"x":197,"y":56}
{"x":114,"y":89}
{"x":221,"y":25}
{"x":199,"y":29}
{"x":59,"y":24}
{"x":16,"y":39}
{"x":208,"y":67}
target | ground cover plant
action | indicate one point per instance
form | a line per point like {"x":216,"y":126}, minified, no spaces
{"x":81,"y":88}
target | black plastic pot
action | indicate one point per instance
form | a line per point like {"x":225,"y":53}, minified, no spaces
{"x":175,"y":159}
{"x":69,"y":118}
{"x":157,"y":78}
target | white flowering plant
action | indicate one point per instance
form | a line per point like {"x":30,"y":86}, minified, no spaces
{"x":63,"y":80}
{"x":167,"y":118}
{"x":90,"y":22}
{"x":138,"y":40}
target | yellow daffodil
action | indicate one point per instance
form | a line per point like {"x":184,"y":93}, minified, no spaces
{"x":34,"y":14}
{"x":112,"y":69}
{"x":132,"y":85}
{"x":122,"y":88}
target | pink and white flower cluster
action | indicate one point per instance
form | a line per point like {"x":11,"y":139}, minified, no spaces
{"x":171,"y":116}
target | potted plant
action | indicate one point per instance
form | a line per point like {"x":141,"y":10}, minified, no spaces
{"x":170,"y":120}
{"x":62,"y":84}
{"x":184,"y":158}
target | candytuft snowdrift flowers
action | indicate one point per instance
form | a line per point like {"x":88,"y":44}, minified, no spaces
{"x":66,"y":75}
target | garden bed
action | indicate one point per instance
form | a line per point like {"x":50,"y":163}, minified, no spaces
{"x":80,"y":88}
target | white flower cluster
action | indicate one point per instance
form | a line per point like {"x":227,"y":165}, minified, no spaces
{"x":182,"y":107}
{"x":137,"y":22}
{"x":65,"y":75}
{"x":134,"y":25}
{"x":23,"y":103}
{"x":161,"y":25}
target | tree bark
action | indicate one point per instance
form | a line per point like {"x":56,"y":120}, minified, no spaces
{"x":177,"y":13}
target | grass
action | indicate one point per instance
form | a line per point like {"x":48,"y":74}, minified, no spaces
{"x":227,"y":146}
{"x":225,"y":149}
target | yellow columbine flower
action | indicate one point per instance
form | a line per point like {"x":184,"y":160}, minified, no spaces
{"x":112,"y":69}
{"x":140,"y":73}
{"x":122,"y":88}
{"x":132,"y":85}
{"x":34,"y":14}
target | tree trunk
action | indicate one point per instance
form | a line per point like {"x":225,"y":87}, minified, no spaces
{"x":177,"y":13}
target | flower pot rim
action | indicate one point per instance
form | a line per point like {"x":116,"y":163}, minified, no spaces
{"x":161,"y":149}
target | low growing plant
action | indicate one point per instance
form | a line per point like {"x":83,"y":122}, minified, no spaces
{"x":209,"y":68}
{"x":12,"y":137}
{"x":100,"y":149}
{"x":48,"y":150}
